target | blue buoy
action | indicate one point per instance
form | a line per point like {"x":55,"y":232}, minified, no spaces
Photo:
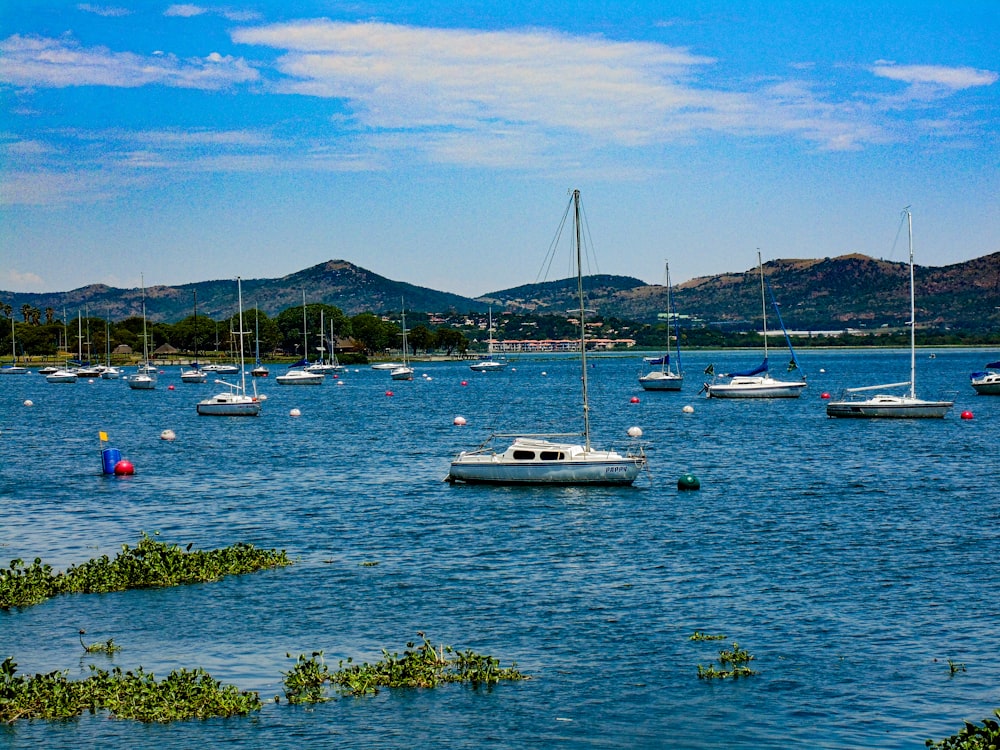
{"x":109,"y":458}
{"x":688,"y":482}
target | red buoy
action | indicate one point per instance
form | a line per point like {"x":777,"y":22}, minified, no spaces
{"x":824,"y":395}
{"x":635,"y":399}
{"x":966,"y":415}
{"x":124,"y":468}
{"x":389,"y":393}
{"x":464,"y":383}
{"x":170,"y":387}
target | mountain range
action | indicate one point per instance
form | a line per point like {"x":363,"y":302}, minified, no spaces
{"x":830,"y":293}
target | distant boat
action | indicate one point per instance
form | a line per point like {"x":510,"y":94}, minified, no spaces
{"x":145,"y":378}
{"x":757,"y":382}
{"x":194,"y":374}
{"x":13,"y":368}
{"x":221,"y":369}
{"x":324,"y":366}
{"x":537,"y":459}
{"x":489,"y":363}
{"x":987,"y":383}
{"x":259,"y":370}
{"x":298,"y":373}
{"x":235,"y":402}
{"x":666,"y":378}
{"x":62,"y":376}
{"x":386,"y":365}
{"x":404,"y":371}
{"x":887,"y":406}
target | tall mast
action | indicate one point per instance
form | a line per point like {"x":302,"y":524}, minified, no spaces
{"x":913,"y":311}
{"x":583,"y":325}
{"x":239,"y":298}
{"x":305,"y":338}
{"x":763,"y":304}
{"x":145,"y":341}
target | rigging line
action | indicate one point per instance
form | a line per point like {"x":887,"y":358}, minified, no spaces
{"x":543,"y":273}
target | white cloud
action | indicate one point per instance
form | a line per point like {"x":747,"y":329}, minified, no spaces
{"x":29,"y":61}
{"x":103,"y":10}
{"x":188,"y":10}
{"x":936,"y":75}
{"x":185,"y":11}
{"x":15,"y":280}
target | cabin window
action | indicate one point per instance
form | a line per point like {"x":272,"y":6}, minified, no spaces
{"x":524,"y":455}
{"x":551,"y":456}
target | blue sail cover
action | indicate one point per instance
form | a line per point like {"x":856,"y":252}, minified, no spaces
{"x":993,"y":366}
{"x":762,"y":367}
{"x":664,"y":360}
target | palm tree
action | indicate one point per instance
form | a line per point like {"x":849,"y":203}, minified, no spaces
{"x":49,"y":314}
{"x":26,"y":311}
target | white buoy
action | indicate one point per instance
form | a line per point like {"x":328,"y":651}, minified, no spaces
{"x":459,"y":421}
{"x":822,"y":369}
{"x":262,"y":397}
{"x":295,"y":413}
{"x":688,"y":409}
{"x":29,"y":402}
{"x":168,"y":435}
{"x":635,"y":432}
{"x":544,"y":373}
{"x":340,"y":382}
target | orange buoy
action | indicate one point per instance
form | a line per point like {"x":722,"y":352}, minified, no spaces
{"x":124,"y":468}
{"x":966,"y":415}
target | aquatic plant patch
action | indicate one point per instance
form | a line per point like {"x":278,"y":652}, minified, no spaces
{"x":139,"y":696}
{"x":972,"y":736}
{"x":149,"y":564}
{"x":423,"y":666}
{"x":735,"y":664}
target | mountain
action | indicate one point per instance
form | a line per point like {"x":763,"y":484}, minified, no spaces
{"x":829,"y":293}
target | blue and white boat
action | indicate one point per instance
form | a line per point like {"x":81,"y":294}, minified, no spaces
{"x":987,"y":383}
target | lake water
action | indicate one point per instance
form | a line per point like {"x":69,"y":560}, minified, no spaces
{"x":852,"y":558}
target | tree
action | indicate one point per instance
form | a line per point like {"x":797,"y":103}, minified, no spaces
{"x":373,"y":333}
{"x":450,"y":339}
{"x":420,"y":337}
{"x":26,"y":312}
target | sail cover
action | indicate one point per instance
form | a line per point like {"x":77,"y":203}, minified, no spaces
{"x":762,"y":367}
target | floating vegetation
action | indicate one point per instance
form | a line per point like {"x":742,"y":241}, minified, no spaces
{"x":736,"y":659}
{"x":972,"y":736}
{"x":135,"y":695}
{"x":955,"y":667}
{"x":423,"y":666}
{"x":149,"y":564}
{"x":699,"y":636}
{"x":369,"y":564}
{"x":108,"y":647}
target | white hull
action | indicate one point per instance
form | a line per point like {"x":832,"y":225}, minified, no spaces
{"x":14,"y":370}
{"x":260,"y":372}
{"x":111,"y":373}
{"x":755,"y":387}
{"x":661,"y":381}
{"x":988,"y":384}
{"x":142,"y":382}
{"x":221,"y":369}
{"x":386,"y":366}
{"x":299,"y":377}
{"x":61,"y":376}
{"x":402,"y":373}
{"x":538,"y":462}
{"x":488,"y":366}
{"x":193,"y":376}
{"x":889,"y":407}
{"x":229,"y":405}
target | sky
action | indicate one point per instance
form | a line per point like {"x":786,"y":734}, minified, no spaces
{"x":436,"y":142}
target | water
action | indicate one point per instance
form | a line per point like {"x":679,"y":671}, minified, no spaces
{"x":852,"y":558}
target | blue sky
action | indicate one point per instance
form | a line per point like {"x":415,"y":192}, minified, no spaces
{"x":435,"y":142}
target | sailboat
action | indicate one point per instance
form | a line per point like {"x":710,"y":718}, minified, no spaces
{"x":887,"y":406}
{"x":194,"y":374}
{"x":404,"y":371}
{"x":666,"y":378}
{"x":297,"y":374}
{"x":489,"y":363}
{"x":109,"y":371}
{"x":235,"y":402}
{"x":756,"y":382}
{"x":13,"y":368}
{"x":259,"y":370}
{"x":145,"y":378}
{"x":539,"y":460}
{"x":322,"y":366}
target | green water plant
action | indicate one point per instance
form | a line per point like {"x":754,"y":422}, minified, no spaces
{"x":151,"y":563}
{"x":139,"y":696}
{"x":735,"y":664}
{"x":108,"y":647}
{"x":423,"y":666}
{"x":972,"y":736}
{"x":954,"y":667}
{"x":699,"y":636}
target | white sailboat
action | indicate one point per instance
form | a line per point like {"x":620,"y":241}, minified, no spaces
{"x":235,"y":402}
{"x":323,"y":366}
{"x":109,"y":371}
{"x":756,"y":382}
{"x":539,"y":459}
{"x":888,"y":406}
{"x":489,"y":363}
{"x":404,"y":371}
{"x":667,"y":378}
{"x":145,"y":378}
{"x":194,"y":373}
{"x":13,"y":368}
{"x":297,"y":374}
{"x":259,"y":370}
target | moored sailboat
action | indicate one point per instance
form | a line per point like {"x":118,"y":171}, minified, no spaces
{"x":404,"y":371}
{"x":489,"y":363}
{"x":889,"y":406}
{"x":667,"y":378}
{"x":235,"y":402}
{"x":145,"y":378}
{"x":533,"y":459}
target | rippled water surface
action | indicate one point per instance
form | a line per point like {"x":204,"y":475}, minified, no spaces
{"x":852,"y":558}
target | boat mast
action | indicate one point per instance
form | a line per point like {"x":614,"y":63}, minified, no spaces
{"x":913,"y":311}
{"x":145,"y":341}
{"x":195,"y":326}
{"x":763,"y":304}
{"x":239,"y":298}
{"x":305,"y":337}
{"x":583,"y":325}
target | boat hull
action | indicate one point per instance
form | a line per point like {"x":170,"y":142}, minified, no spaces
{"x":61,"y":376}
{"x":488,"y":366}
{"x":194,"y":376}
{"x":657,"y":381}
{"x":300,"y":377}
{"x":988,"y":385}
{"x":615,"y":472}
{"x":142,"y":383}
{"x":888,"y":408}
{"x":225,"y":406}
{"x":14,"y":370}
{"x":753,"y":387}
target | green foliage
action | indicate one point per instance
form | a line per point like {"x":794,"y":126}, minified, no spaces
{"x":699,"y":636}
{"x":737,"y":659}
{"x":972,"y":736}
{"x":422,"y":666}
{"x":149,"y":564}
{"x":108,"y":647}
{"x":135,"y":695}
